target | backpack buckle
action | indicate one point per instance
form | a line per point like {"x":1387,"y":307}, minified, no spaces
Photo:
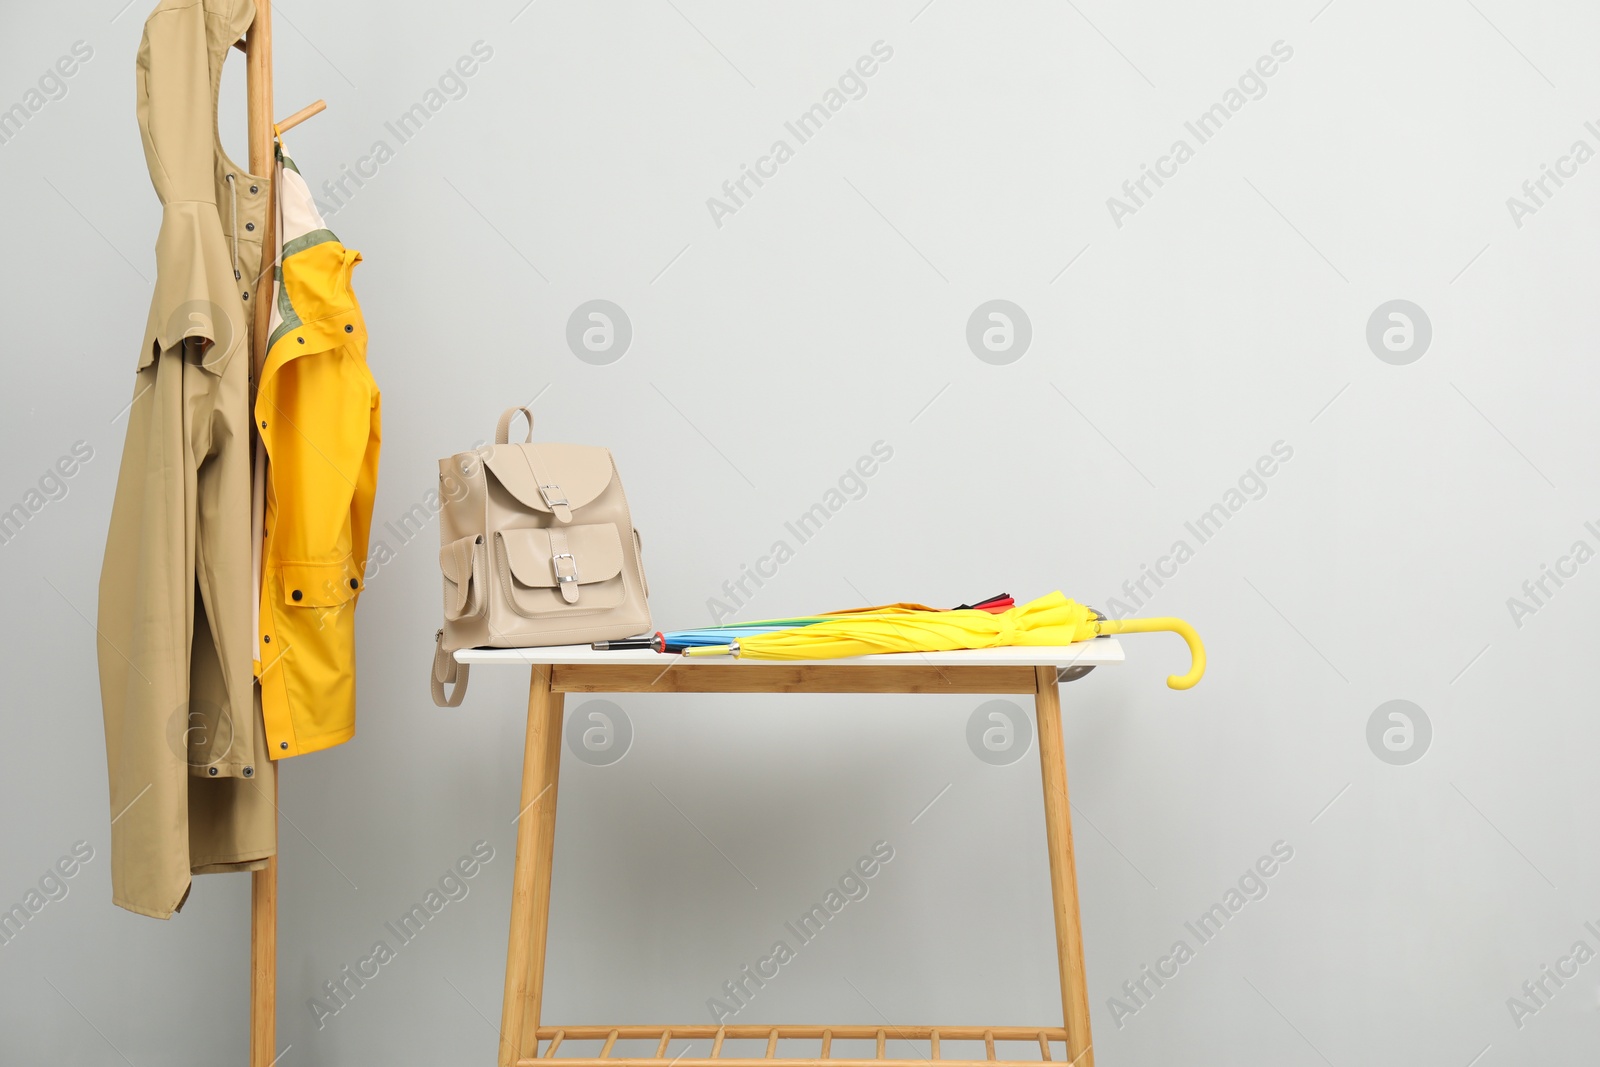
{"x":555,"y":501}
{"x":555,"y":561}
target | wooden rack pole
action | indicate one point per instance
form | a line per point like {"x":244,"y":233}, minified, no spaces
{"x":263,"y":883}
{"x":258,"y":77}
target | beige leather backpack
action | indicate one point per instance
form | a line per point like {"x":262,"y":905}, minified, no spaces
{"x":537,"y":548}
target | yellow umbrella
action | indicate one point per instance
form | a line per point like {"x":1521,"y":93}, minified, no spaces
{"x":1050,"y":620}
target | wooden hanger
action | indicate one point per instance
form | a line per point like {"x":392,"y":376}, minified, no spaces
{"x":316,"y":107}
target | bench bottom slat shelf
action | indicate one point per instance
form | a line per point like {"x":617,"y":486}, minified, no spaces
{"x":747,"y":1061}
{"x":760,"y":1031}
{"x":552,"y":1038}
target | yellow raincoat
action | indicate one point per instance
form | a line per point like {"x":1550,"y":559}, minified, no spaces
{"x":317,"y":410}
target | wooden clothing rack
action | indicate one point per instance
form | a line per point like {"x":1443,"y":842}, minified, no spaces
{"x":262,"y":131}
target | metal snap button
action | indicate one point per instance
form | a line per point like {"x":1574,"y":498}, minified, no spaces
{"x":255,"y":189}
{"x":295,"y":595}
{"x":212,"y":772}
{"x":283,"y":744}
{"x":266,"y":639}
{"x":249,"y":225}
{"x":354,"y":584}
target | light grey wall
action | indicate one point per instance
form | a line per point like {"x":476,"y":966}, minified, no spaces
{"x":1172,"y":347}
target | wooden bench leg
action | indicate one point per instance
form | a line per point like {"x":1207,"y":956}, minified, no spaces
{"x":1063,"y":871}
{"x":530,"y":884}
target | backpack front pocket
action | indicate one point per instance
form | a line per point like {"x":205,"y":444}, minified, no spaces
{"x":573,"y":570}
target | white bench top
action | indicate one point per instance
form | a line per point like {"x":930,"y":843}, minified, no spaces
{"x":1099,"y":652}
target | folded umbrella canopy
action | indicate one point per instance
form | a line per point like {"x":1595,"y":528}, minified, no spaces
{"x":1050,"y":620}
{"x":723,"y":633}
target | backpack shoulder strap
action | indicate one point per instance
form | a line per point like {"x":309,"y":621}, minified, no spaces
{"x":447,"y":671}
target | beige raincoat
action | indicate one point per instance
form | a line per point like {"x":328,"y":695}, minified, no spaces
{"x":191,"y":787}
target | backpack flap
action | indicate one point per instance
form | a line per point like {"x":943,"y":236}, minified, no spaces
{"x":553,"y":478}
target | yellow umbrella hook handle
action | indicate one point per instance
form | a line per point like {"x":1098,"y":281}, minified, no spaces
{"x":1197,"y":651}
